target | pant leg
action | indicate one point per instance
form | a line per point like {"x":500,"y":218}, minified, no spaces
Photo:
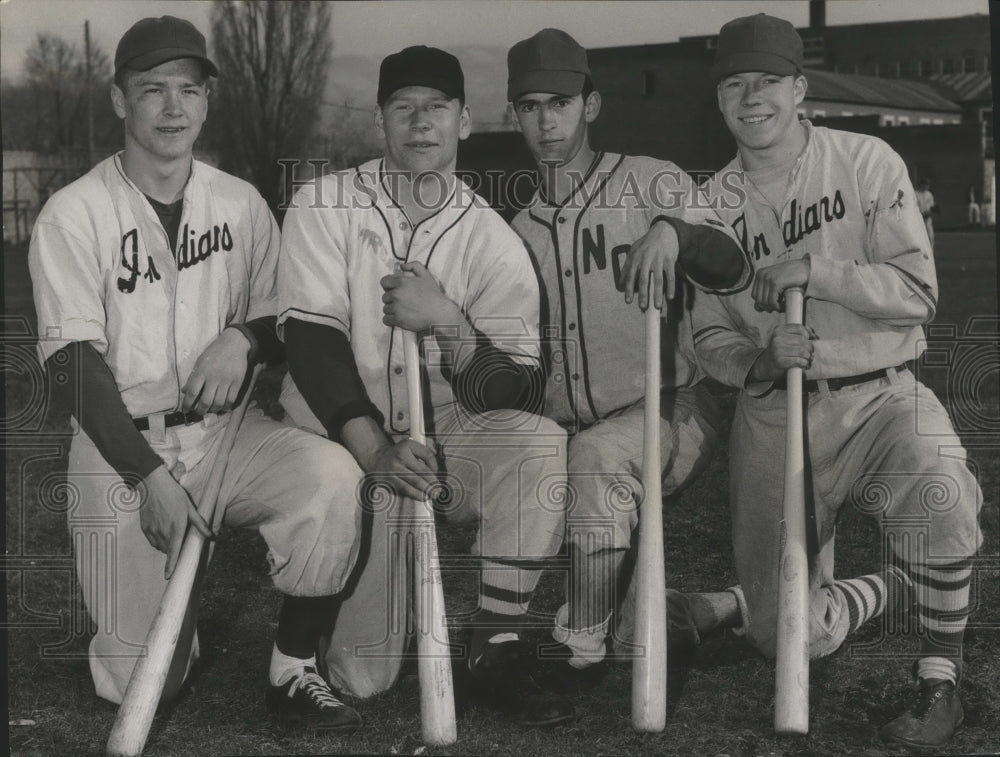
{"x":120,"y":573}
{"x":605,"y":464}
{"x":506,"y":471}
{"x":757,"y":459}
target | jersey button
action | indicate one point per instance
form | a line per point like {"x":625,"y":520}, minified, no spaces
{"x":560,"y":219}
{"x":576,"y":376}
{"x":568,"y":272}
{"x":572,"y":327}
{"x":403,"y":225}
{"x":398,"y":369}
{"x":399,"y":415}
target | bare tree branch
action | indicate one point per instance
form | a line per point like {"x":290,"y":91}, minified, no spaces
{"x":273,"y":59}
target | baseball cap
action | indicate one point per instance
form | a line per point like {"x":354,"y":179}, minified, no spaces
{"x":757,"y":43}
{"x":421,"y":66}
{"x":550,"y":61}
{"x":153,"y":41}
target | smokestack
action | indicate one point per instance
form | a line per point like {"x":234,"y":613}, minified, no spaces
{"x":817,"y":14}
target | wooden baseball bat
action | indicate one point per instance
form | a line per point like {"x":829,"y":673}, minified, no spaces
{"x":145,"y":686}
{"x":649,"y":667}
{"x":437,"y":697}
{"x":791,"y":690}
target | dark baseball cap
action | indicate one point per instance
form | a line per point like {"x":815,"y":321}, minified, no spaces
{"x":757,"y":43}
{"x":551,"y":61}
{"x":153,"y":41}
{"x":421,"y":66}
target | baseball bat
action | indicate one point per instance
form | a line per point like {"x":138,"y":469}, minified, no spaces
{"x":437,"y":698}
{"x":145,"y":686}
{"x":791,"y":690}
{"x":649,"y":667}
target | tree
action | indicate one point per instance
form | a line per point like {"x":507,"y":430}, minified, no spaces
{"x":273,"y":59}
{"x":50,"y":112}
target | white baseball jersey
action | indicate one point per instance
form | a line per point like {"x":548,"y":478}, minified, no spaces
{"x":332,"y":262}
{"x":149,"y":317}
{"x":597,"y":339}
{"x":851,"y":208}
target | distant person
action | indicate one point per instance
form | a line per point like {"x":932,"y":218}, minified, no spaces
{"x":154,"y":281}
{"x":975,"y":214}
{"x":830,"y":212}
{"x":925,"y":203}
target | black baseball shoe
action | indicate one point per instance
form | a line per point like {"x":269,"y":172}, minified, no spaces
{"x":308,"y":701}
{"x":502,"y":678}
{"x":932,"y":714}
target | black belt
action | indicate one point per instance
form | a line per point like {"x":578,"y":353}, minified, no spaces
{"x":841,"y":382}
{"x":170,"y":419}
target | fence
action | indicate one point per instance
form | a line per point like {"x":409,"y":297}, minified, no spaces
{"x":27,"y":184}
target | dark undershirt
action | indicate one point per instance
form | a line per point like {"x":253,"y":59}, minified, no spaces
{"x":322,"y":364}
{"x":170,"y":218}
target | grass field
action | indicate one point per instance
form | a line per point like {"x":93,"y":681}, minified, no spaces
{"x":720,"y":702}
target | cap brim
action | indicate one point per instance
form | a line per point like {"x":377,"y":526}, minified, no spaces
{"x":164,"y":55}
{"x":568,"y":83}
{"x":739,"y":63}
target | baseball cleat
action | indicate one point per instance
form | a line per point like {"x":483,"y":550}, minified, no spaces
{"x":307,"y":700}
{"x":931,"y":716}
{"x":502,"y":679}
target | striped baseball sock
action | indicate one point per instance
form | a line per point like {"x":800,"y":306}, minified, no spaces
{"x":504,"y":593}
{"x":942,"y":598}
{"x":866,"y":596}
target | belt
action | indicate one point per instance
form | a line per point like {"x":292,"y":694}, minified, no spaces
{"x":841,"y":382}
{"x":170,"y":419}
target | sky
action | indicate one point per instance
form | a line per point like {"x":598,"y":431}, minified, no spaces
{"x":379,"y":28}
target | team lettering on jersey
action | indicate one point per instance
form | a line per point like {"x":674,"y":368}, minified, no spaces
{"x":130,"y":261}
{"x":595,"y":252}
{"x":193,"y":250}
{"x":800,"y":223}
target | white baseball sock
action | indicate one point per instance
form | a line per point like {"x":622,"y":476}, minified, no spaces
{"x":587,"y":643}
{"x":283,"y":667}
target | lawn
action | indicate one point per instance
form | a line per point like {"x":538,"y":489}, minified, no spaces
{"x":720,"y":701}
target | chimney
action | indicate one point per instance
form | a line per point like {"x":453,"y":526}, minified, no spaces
{"x":817,"y":14}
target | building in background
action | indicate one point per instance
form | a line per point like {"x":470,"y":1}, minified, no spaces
{"x":923,"y":86}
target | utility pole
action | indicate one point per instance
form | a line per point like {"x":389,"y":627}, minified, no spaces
{"x":89,"y":95}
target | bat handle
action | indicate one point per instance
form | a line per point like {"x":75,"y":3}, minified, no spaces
{"x":791,"y":696}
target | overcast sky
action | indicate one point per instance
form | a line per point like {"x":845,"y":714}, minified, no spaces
{"x":378,"y":28}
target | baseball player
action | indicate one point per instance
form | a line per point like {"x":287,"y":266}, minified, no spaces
{"x":834,"y":213}
{"x":401,"y":244}
{"x":598,"y":225}
{"x":153,"y":279}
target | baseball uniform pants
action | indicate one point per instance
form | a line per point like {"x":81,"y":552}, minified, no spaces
{"x":886,"y":446}
{"x":279,"y":480}
{"x":500,"y":471}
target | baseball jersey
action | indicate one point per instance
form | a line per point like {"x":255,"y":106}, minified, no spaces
{"x":344,"y":232}
{"x":595,"y":340}
{"x":849,"y":206}
{"x":103,"y":272}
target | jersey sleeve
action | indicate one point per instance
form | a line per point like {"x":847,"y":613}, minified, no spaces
{"x":710,"y":256}
{"x":312,"y":267}
{"x":895,"y":281}
{"x":67,"y":284}
{"x":723,"y":350}
{"x":266,"y":243}
{"x":504,"y":303}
